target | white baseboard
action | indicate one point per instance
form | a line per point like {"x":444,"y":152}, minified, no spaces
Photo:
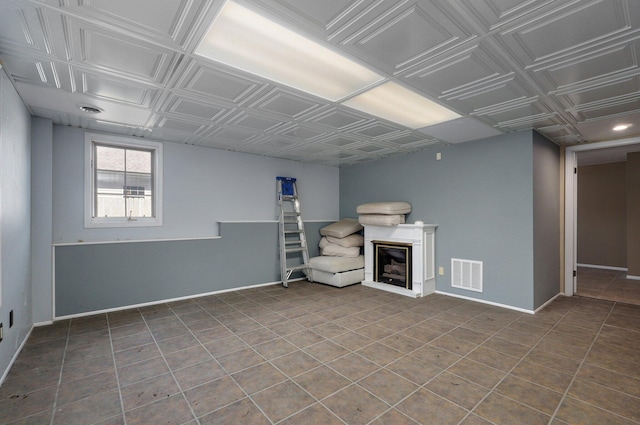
{"x":633,"y":277}
{"x":510,"y":307}
{"x":168,"y":300}
{"x":15,"y":356}
{"x":598,"y":266}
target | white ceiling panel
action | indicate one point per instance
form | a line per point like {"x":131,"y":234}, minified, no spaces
{"x":568,"y":68}
{"x":407,"y":33}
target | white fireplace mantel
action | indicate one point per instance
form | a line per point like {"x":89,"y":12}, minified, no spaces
{"x":422,"y":239}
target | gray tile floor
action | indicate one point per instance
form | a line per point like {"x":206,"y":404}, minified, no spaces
{"x":314,"y":354}
{"x":611,"y":285}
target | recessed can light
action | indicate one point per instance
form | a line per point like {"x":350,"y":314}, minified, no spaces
{"x":90,"y":109}
{"x":620,"y":127}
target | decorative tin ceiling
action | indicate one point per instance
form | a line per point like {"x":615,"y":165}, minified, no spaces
{"x":568,"y":68}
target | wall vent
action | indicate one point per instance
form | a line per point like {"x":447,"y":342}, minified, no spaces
{"x":466,"y":274}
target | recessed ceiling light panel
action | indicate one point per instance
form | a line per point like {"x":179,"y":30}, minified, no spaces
{"x":396,"y":103}
{"x":242,"y":38}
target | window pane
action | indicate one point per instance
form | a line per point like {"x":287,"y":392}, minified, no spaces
{"x":108,"y":158}
{"x":113,"y":180}
{"x":138,"y":161}
{"x":110,"y":205}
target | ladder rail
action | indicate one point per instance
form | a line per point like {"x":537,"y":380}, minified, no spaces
{"x":291,"y":234}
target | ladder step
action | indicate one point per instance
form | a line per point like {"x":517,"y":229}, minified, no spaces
{"x":296,"y":268}
{"x":290,"y":250}
{"x":292,"y":231}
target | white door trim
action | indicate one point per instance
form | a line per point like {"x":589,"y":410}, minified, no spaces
{"x":571,"y":208}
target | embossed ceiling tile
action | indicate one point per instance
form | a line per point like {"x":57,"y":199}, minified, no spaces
{"x":567,"y":30}
{"x":337,"y":118}
{"x":406,"y":139}
{"x":30,"y":69}
{"x":321,"y":13}
{"x":193,"y":108}
{"x":174,"y":124}
{"x":209,"y":81}
{"x":408,"y":33}
{"x":560,"y":133}
{"x":301,"y":132}
{"x":21,"y":27}
{"x":231,"y":136}
{"x":495,"y":13}
{"x":376,"y":130}
{"x":168,"y":19}
{"x":339,"y":140}
{"x":255,"y":122}
{"x":613,"y":107}
{"x":124,"y":56}
{"x":601,"y":65}
{"x":491,"y":95}
{"x":458,"y":71}
{"x":599,"y":92}
{"x":119,"y":91}
{"x":285,"y":103}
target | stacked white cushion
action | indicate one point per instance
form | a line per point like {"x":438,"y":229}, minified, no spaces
{"x":381,"y":220}
{"x":336,"y":264}
{"x":348,"y":241}
{"x":342,"y":228}
{"x":383,"y":213}
{"x":335,"y":250}
{"x":389,"y":208}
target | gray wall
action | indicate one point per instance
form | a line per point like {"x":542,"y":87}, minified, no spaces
{"x":41,"y":218}
{"x":546,"y":219}
{"x":602,"y":215}
{"x":202,"y":187}
{"x":95,"y":277}
{"x":633,"y":214}
{"x":481,"y":197}
{"x":15,"y":215}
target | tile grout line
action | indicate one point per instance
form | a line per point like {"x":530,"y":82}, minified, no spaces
{"x":582,"y":362}
{"x":117,"y":374}
{"x":55,"y":399}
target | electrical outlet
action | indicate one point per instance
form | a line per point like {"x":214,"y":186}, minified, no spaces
{"x":10,"y":319}
{"x":438,"y":156}
{"x":441,"y":271}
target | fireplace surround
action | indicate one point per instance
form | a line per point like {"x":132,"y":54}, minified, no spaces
{"x":386,"y":245}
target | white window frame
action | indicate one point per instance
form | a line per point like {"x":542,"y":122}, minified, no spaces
{"x":90,"y":139}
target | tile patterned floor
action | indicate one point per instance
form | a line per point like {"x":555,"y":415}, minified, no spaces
{"x":609,"y":285}
{"x":313,"y":354}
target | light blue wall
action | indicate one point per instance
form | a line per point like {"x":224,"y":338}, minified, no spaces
{"x":41,"y":218}
{"x":546,"y":219}
{"x":15,"y":217}
{"x":202,"y":186}
{"x":481,"y":197}
{"x":106,"y":276}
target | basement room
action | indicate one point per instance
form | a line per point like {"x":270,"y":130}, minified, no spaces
{"x":345,"y":212}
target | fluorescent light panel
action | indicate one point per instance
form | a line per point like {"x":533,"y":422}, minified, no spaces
{"x":396,"y":103}
{"x":243,"y":39}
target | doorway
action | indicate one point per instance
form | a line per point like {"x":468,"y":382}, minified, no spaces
{"x":597,"y":282}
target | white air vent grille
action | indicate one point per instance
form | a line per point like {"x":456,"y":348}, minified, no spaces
{"x":466,"y":274}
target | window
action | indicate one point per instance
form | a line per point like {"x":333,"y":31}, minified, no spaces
{"x":122,"y":181}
